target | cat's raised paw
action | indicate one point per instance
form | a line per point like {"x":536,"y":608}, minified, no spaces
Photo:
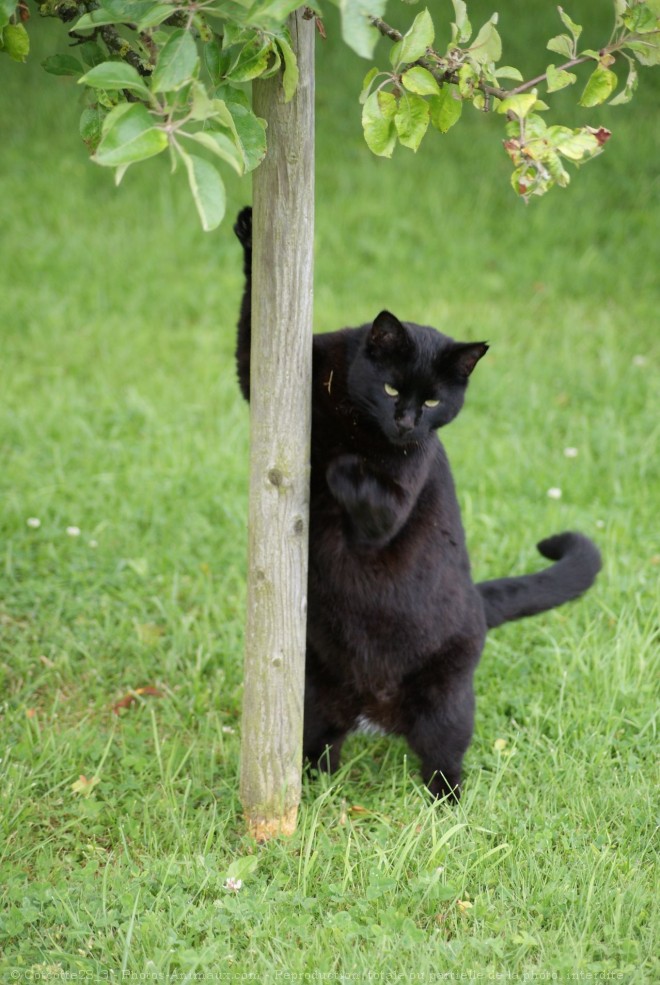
{"x":243,"y":227}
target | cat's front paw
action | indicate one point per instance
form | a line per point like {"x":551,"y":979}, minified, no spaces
{"x":243,"y":227}
{"x":371,"y":508}
{"x":344,"y":475}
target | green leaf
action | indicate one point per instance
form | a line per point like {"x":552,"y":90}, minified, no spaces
{"x":91,"y":53}
{"x":411,"y":120}
{"x":115,"y":75}
{"x":575,"y":145}
{"x":220,"y":145}
{"x":461,"y":27}
{"x":620,"y":7}
{"x":646,"y":52}
{"x":574,"y":28}
{"x":420,"y":81}
{"x":142,"y":13}
{"x":176,"y":64}
{"x":7,"y":9}
{"x":250,"y":133}
{"x":631,"y":85}
{"x":15,"y":42}
{"x":208,"y":190}
{"x":417,"y":39}
{"x":367,"y":84}
{"x":252,"y":60}
{"x":155,"y":15}
{"x":95,"y":18}
{"x":290,"y":75}
{"x":526,"y":181}
{"x":446,"y":108}
{"x":213,"y":59}
{"x":600,"y":85}
{"x":90,"y":127}
{"x":640,"y":20}
{"x":240,"y":868}
{"x":378,"y":123}
{"x":129,"y":136}
{"x":509,"y":72}
{"x":202,"y":106}
{"x":115,"y":114}
{"x":356,"y":28}
{"x":559,"y":173}
{"x":521,"y":104}
{"x":62,"y":65}
{"x":467,"y":79}
{"x":558,"y":78}
{"x":563,"y":45}
{"x":271,"y":14}
{"x":487,"y":46}
{"x":273,"y":62}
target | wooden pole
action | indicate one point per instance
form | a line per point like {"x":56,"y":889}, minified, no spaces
{"x":280,"y":425}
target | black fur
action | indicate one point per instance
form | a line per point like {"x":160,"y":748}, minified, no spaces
{"x":396,"y":625}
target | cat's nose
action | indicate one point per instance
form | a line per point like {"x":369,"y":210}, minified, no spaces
{"x":406,"y":422}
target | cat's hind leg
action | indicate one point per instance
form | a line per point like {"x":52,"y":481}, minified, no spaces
{"x":440,"y":735}
{"x":322,"y":739}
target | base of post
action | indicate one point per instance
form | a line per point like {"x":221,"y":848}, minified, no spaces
{"x":265,"y":828}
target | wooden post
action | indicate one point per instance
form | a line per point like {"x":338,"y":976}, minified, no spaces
{"x":280,"y":424}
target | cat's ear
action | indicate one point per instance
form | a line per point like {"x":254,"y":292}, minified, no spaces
{"x":388,"y":337}
{"x":463,"y":357}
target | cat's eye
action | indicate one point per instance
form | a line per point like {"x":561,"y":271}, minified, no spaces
{"x":391,"y":391}
{"x":431,"y":403}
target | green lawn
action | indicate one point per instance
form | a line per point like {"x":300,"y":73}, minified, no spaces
{"x":120,"y":416}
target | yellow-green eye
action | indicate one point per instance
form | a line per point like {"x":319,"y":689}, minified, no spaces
{"x":390,"y":391}
{"x":431,"y":403}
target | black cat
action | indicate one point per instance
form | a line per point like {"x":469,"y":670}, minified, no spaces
{"x":395,"y":624}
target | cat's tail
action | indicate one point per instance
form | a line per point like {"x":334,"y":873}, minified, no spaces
{"x":577,"y":562}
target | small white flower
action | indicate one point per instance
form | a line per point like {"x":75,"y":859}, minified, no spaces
{"x":554,"y":492}
{"x":228,"y":730}
{"x":73,"y":531}
{"x":639,"y":360}
{"x":233,"y":884}
{"x":93,"y":543}
{"x":571,"y":452}
{"x":600,"y":524}
{"x":34,"y":522}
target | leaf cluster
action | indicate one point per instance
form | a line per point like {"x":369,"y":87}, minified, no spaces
{"x":171,"y":76}
{"x":426,"y":88}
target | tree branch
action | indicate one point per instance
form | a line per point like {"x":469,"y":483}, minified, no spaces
{"x":442,"y":74}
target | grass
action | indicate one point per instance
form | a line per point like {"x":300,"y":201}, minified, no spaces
{"x":121,"y":417}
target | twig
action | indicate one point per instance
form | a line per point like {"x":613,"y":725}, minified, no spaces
{"x":524,"y":86}
{"x":386,"y":30}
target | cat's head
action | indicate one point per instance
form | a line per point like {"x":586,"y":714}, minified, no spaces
{"x":410,"y":379}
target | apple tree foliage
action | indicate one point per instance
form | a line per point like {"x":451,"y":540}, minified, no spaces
{"x":169,"y":76}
